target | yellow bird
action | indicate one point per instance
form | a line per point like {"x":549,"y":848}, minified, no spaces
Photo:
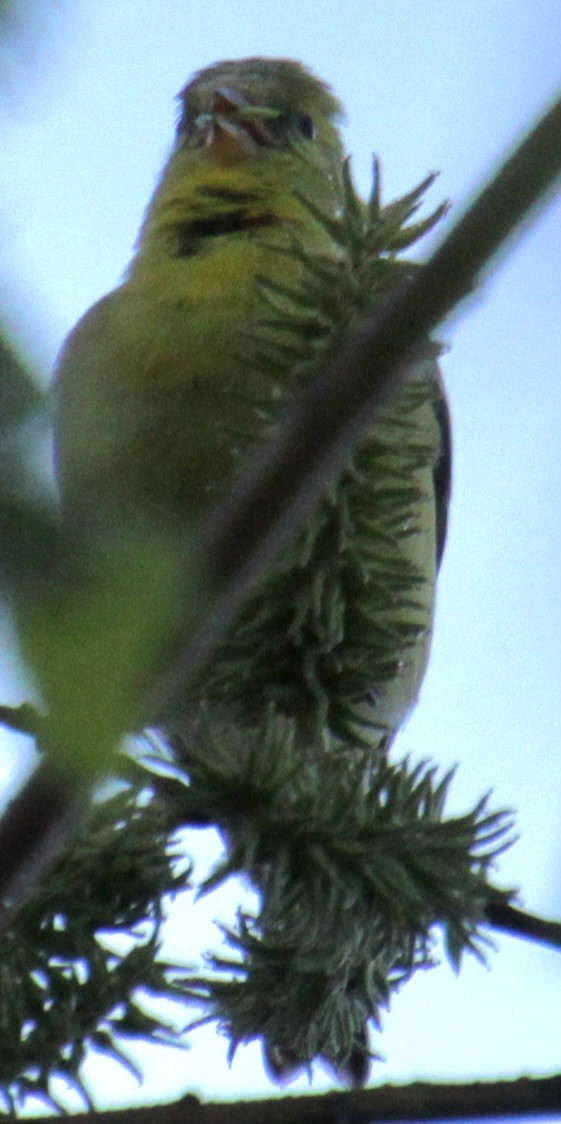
{"x":149,"y":385}
{"x":254,"y":258}
{"x":156,"y":402}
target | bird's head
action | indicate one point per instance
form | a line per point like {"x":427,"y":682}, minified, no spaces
{"x":248,"y":107}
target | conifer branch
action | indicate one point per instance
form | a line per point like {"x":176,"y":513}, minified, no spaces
{"x":240,"y":540}
{"x":243,"y":534}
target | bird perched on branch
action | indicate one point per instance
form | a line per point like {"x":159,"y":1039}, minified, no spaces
{"x":156,"y":398}
{"x":254,"y":259}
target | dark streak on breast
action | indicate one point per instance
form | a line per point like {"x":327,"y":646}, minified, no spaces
{"x":189,"y":237}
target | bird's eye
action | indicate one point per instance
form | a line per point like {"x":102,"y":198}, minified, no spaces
{"x":291,"y":125}
{"x":306,"y":126}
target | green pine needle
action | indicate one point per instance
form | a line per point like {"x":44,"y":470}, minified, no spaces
{"x":356,"y":865}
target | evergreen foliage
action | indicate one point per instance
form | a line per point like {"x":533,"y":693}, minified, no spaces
{"x":356,"y":864}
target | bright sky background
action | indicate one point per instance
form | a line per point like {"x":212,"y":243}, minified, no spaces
{"x":86,"y":120}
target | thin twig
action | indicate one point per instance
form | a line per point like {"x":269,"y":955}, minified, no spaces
{"x":24,"y":719}
{"x":518,"y":923}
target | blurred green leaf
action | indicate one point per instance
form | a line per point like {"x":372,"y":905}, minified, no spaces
{"x":19,"y":393}
{"x":94,"y":635}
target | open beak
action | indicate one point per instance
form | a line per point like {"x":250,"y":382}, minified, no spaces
{"x":233,"y":128}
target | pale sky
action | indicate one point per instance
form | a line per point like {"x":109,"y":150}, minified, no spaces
{"x":86,"y":120}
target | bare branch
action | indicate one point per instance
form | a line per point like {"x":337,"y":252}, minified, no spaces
{"x":421,"y":1101}
{"x":518,"y":923}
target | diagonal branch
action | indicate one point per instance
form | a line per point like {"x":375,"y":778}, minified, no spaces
{"x":243,"y":535}
{"x":283,"y":483}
